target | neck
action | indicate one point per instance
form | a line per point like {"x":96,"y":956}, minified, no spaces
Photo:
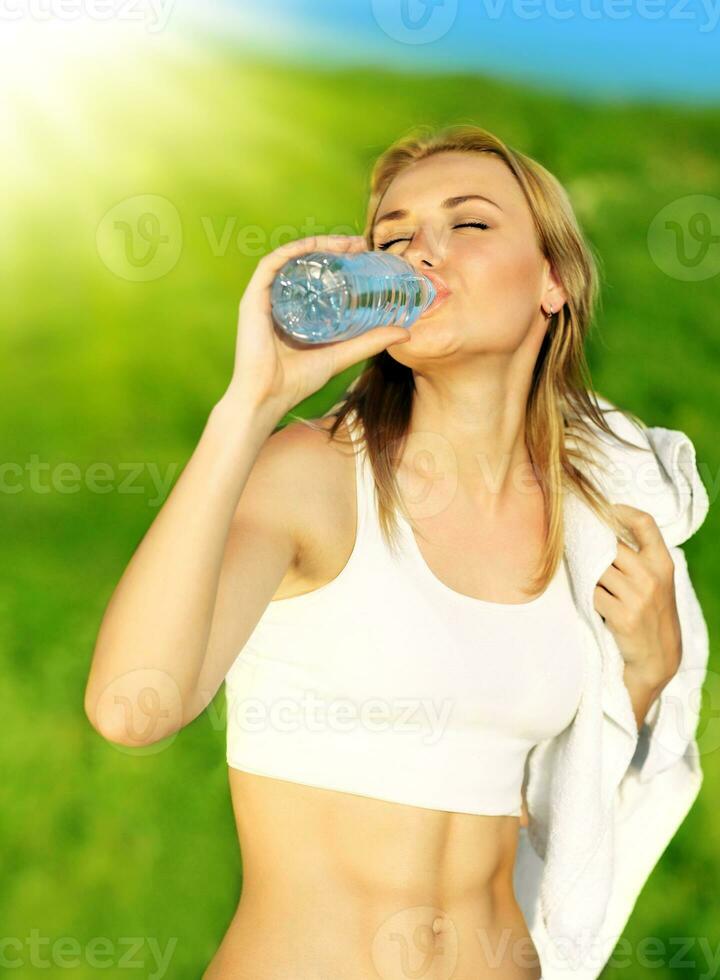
{"x":470,"y":430}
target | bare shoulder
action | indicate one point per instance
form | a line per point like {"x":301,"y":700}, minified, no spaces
{"x":303,"y":452}
{"x":308,"y":443}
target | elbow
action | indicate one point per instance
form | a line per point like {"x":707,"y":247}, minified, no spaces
{"x":130,"y":721}
{"x":119,"y":734}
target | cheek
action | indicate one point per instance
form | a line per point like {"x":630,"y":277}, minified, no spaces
{"x":504,"y":257}
{"x":500,"y":273}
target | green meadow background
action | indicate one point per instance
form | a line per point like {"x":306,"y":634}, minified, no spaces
{"x":100,"y":841}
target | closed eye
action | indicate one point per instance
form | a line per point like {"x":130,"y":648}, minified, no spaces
{"x":466,"y":224}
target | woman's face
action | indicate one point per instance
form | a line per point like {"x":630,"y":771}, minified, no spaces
{"x":497,"y":275}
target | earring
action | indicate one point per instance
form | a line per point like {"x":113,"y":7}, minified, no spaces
{"x":548,"y":315}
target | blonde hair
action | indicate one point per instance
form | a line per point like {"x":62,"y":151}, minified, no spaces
{"x":560,"y":401}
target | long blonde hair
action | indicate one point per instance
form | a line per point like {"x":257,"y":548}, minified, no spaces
{"x":561,"y":400}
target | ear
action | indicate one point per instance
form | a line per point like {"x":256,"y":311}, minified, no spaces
{"x":553,"y":295}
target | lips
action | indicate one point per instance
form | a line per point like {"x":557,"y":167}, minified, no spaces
{"x":441,"y":290}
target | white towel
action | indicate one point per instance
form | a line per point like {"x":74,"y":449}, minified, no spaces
{"x":599,"y":819}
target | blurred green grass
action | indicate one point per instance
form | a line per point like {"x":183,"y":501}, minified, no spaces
{"x":97,"y":842}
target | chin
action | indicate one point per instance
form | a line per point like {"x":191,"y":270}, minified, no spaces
{"x":428,"y":339}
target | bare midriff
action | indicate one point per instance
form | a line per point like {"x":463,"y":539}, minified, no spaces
{"x":338,"y":886}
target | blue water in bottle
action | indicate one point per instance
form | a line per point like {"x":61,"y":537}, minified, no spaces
{"x":325,"y":296}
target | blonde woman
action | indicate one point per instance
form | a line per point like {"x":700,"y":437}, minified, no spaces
{"x":390,"y":578}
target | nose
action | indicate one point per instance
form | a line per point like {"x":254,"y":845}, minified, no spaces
{"x":424,"y":250}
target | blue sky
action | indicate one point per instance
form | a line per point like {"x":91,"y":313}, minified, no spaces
{"x":666,"y":50}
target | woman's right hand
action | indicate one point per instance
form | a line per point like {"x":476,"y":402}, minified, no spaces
{"x":272,"y":372}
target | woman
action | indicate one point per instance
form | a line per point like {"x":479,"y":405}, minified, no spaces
{"x":385,"y":847}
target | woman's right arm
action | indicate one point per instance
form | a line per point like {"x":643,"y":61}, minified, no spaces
{"x":235,"y":513}
{"x":150,"y":646}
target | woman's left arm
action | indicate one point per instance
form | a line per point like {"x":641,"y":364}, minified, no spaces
{"x":636,"y":598}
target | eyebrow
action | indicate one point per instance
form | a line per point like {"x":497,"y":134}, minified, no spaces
{"x":449,"y":202}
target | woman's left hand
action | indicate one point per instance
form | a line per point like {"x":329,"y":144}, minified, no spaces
{"x":636,"y":598}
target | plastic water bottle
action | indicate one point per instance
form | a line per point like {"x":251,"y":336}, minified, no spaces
{"x":320,"y":297}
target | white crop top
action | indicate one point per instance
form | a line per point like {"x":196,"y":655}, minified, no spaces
{"x":387,"y":683}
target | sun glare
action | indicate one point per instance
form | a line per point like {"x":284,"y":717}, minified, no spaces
{"x":52,"y":69}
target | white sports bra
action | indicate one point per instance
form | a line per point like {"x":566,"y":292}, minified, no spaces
{"x":387,"y":683}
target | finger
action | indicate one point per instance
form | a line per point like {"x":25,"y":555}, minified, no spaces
{"x":614,"y":581}
{"x":639,"y":568}
{"x":627,"y":559}
{"x":643,"y":526}
{"x":605,"y":603}
{"x":371,"y":342}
